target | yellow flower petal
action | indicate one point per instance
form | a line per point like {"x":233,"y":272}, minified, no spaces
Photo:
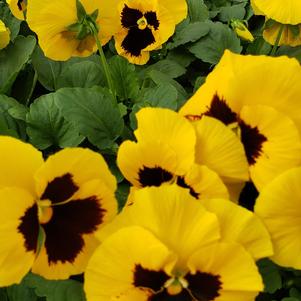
{"x":4,"y":35}
{"x":19,"y":161}
{"x":113,"y":269}
{"x":19,"y":230}
{"x":279,"y":207}
{"x":219,"y":148}
{"x":242,"y":226}
{"x":286,"y":12}
{"x":17,"y":7}
{"x":172,"y":215}
{"x":282,"y":149}
{"x":238,"y":272}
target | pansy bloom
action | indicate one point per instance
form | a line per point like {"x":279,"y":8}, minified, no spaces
{"x":284,"y":20}
{"x":165,"y":153}
{"x":256,"y":97}
{"x":145,"y":25}
{"x":18,"y":8}
{"x":61,"y":33}
{"x":67,"y":198}
{"x":173,"y":251}
{"x":4,"y":35}
{"x":279,"y":207}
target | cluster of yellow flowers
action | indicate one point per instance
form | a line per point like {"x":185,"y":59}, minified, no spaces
{"x":181,"y":235}
{"x":67,"y":28}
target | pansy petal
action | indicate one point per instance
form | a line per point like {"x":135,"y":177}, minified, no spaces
{"x":281,"y":146}
{"x":240,"y":225}
{"x":248,"y":80}
{"x":64,"y":172}
{"x":177,"y":8}
{"x":286,"y":12}
{"x":279,"y":207}
{"x":17,"y":8}
{"x":19,"y":229}
{"x":4,"y":35}
{"x":172,"y":215}
{"x":70,"y":233}
{"x":148,"y":164}
{"x":120,"y":267}
{"x":219,"y":148}
{"x":234,"y":268}
{"x":203,"y":183}
{"x":19,"y":161}
{"x":167,"y":126}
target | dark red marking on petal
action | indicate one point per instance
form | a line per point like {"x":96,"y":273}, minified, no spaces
{"x":152,"y":19}
{"x":60,"y":189}
{"x":29,"y":228}
{"x":68,"y":223}
{"x":204,"y":286}
{"x":136,"y":40}
{"x":181,"y":182}
{"x":150,"y":279}
{"x":130,"y":16}
{"x":220,"y":110}
{"x":252,"y":141}
{"x":154,"y":176}
{"x":248,"y":196}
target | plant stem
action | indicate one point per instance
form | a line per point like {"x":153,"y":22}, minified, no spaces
{"x":104,"y":62}
{"x":275,"y":47}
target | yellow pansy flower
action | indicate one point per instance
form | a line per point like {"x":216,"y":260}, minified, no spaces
{"x":144,"y":26}
{"x":174,"y":251}
{"x":255,"y":96}
{"x":68,"y":197}
{"x":4,"y":35}
{"x":62,"y":33}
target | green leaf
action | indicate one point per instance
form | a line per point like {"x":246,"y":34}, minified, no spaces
{"x":12,"y":60}
{"x":21,"y":292}
{"x":9,"y":20}
{"x":290,"y":299}
{"x":48,"y":70}
{"x":93,"y":113}
{"x":10,"y":118}
{"x":168,"y":67}
{"x":189,"y":33}
{"x":290,"y":52}
{"x":259,"y":46}
{"x":161,"y":79}
{"x":55,"y":290}
{"x":47,"y":127}
{"x":124,"y":77}
{"x":198,"y":11}
{"x":83,"y":74}
{"x":211,"y":47}
{"x":182,"y":56}
{"x":232,"y":12}
{"x":271,"y":275}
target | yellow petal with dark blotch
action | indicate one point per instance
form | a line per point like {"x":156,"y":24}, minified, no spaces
{"x":70,"y":233}
{"x":19,"y":161}
{"x":113,"y":271}
{"x":220,"y":149}
{"x":15,"y":8}
{"x":237,"y":270}
{"x":286,"y":12}
{"x":172,"y":215}
{"x":19,"y":230}
{"x":240,"y":225}
{"x":250,"y":80}
{"x":279,"y":207}
{"x":205,"y":183}
{"x":282,"y":149}
{"x":148,"y":164}
{"x":64,"y":172}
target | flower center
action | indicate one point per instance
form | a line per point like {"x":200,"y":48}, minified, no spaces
{"x":45,"y":211}
{"x":142,"y":23}
{"x":174,"y":286}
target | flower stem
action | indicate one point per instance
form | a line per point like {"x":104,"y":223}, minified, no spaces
{"x":104,"y":62}
{"x":277,"y":41}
